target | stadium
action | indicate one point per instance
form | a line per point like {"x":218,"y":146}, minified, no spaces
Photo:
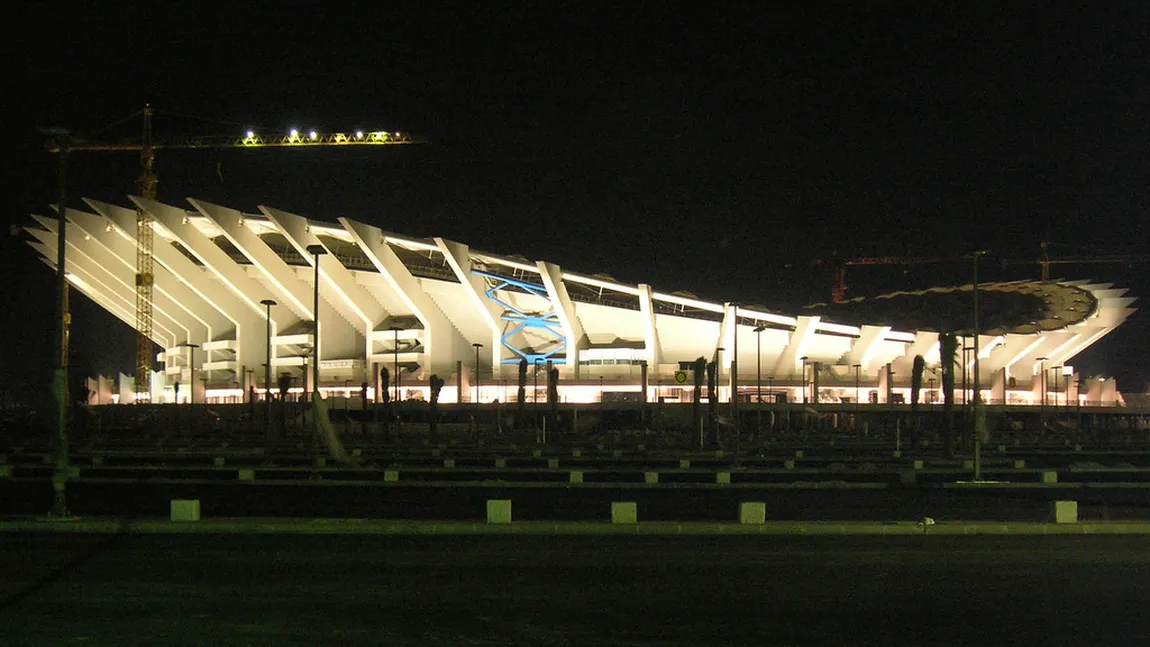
{"x":235,"y":291}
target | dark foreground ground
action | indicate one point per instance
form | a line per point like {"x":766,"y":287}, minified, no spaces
{"x":65,"y":589}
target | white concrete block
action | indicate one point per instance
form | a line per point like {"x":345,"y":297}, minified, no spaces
{"x":576,"y":453}
{"x":789,"y":464}
{"x":723,"y":478}
{"x":247,"y":474}
{"x":617,"y":453}
{"x":918,"y":464}
{"x":798,"y":453}
{"x":449,"y":462}
{"x":968,"y":464}
{"x":896,"y":454}
{"x":684,"y":464}
{"x":718,"y":453}
{"x":499,"y":511}
{"x":1064,"y":511}
{"x":624,"y":512}
{"x":537,"y":453}
{"x":390,"y":476}
{"x":575,"y":477}
{"x":651,"y":478}
{"x":357,"y":452}
{"x":1019,"y":464}
{"x":185,"y":509}
{"x":552,"y":463}
{"x":218,"y":461}
{"x":752,"y":512}
{"x":1050,"y":477}
{"x":500,"y":462}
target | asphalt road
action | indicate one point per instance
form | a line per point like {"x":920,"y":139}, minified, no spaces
{"x":498,"y":590}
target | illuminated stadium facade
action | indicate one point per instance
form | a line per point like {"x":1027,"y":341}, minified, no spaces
{"x":432,"y":306}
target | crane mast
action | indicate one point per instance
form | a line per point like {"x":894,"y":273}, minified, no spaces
{"x":146,"y":187}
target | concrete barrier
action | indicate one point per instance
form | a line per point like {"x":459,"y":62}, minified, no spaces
{"x":624,"y":512}
{"x":247,"y":474}
{"x":617,"y":453}
{"x":576,"y":453}
{"x":651,"y":478}
{"x":537,"y":453}
{"x":499,"y":511}
{"x":390,"y":476}
{"x":798,"y":453}
{"x":185,"y":509}
{"x":1064,"y":511}
{"x":752,"y":513}
{"x":789,"y":464}
{"x":575,"y":477}
{"x":553,"y":463}
{"x":1019,"y":464}
{"x":5,"y":471}
{"x":719,"y":453}
{"x":1050,"y":477}
{"x":500,"y":463}
{"x":321,"y":461}
{"x":449,"y":462}
{"x":684,"y":464}
{"x":918,"y":464}
{"x":218,"y":461}
{"x":723,"y":478}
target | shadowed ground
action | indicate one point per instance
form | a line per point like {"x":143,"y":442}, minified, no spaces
{"x":62,"y":589}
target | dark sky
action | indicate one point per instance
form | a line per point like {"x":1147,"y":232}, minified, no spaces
{"x":717,"y":150}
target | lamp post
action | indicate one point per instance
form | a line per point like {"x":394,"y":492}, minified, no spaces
{"x":1066,"y":382}
{"x":477,"y":346}
{"x":191,"y":367}
{"x":1054,"y":370}
{"x":316,"y":251}
{"x":304,"y":354}
{"x":978,"y":421}
{"x":1042,"y":386}
{"x":770,"y":391}
{"x":759,"y":363}
{"x":804,"y":359}
{"x":395,"y":359}
{"x":858,"y":391}
{"x":268,"y":303}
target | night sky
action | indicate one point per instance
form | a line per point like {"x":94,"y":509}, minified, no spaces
{"x":720,"y":151}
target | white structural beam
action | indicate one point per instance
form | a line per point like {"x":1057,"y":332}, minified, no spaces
{"x":552,"y":277}
{"x":650,"y":330}
{"x":86,"y":287}
{"x":118,"y":284}
{"x":869,"y":339}
{"x":95,"y":227}
{"x":248,"y":322}
{"x":358,"y":304}
{"x":291,"y":292}
{"x":442,"y":343}
{"x":458,"y":257}
{"x":800,"y":339}
{"x":175,"y":223}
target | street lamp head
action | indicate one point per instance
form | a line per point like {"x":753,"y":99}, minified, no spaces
{"x":268,"y":302}
{"x":477,"y":345}
{"x":316,"y":250}
{"x":856,"y":366}
{"x":759,"y":329}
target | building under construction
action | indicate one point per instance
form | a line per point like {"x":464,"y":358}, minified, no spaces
{"x":235,"y":291}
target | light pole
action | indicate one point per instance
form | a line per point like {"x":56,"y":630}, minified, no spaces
{"x":477,"y":346}
{"x":858,"y":391}
{"x":770,"y":391}
{"x":395,"y":360}
{"x":1066,"y":387}
{"x":978,"y":421}
{"x":268,"y":303}
{"x":316,"y":251}
{"x":191,"y":367}
{"x":759,"y":363}
{"x":1042,"y":386}
{"x":804,"y":359}
{"x":1054,"y":370}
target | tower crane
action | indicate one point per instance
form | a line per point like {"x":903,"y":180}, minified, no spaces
{"x":146,"y":187}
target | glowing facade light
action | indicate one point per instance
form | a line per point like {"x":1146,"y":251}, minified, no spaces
{"x":312,"y":135}
{"x":359,"y":134}
{"x":251,"y":134}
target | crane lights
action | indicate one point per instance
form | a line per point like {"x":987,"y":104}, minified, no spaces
{"x":295,"y":137}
